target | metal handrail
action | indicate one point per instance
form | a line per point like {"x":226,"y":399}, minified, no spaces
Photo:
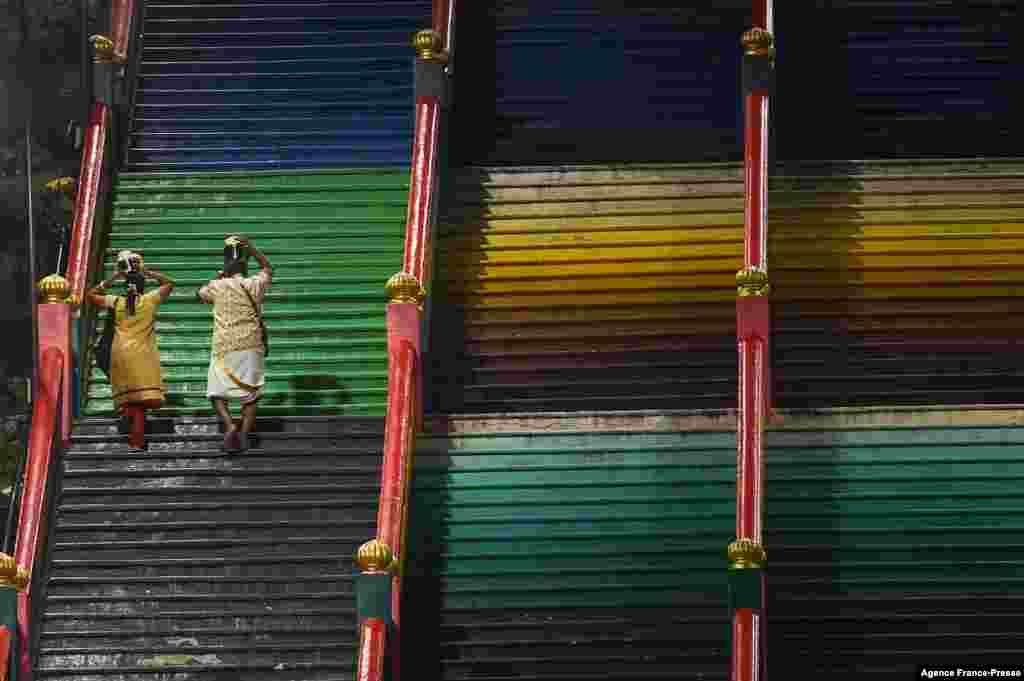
{"x":110,"y":160}
{"x":37,"y":500}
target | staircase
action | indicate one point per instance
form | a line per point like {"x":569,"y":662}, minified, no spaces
{"x":334,"y":238}
{"x":291,"y":123}
{"x":188,"y":563}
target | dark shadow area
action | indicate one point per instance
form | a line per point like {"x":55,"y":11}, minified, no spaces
{"x":811,"y":344}
{"x":600,"y":82}
{"x":802,"y":535}
{"x":422,"y":584}
{"x":324,"y":393}
{"x":897,"y":80}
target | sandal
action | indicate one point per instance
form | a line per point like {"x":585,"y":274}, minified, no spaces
{"x":232,"y":442}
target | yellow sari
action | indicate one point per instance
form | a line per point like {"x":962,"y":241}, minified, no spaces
{"x":135,"y":375}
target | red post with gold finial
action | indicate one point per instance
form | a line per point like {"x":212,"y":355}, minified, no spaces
{"x":407,"y":291}
{"x":746,"y":555}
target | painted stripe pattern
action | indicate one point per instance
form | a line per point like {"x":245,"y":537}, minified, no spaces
{"x":334,"y":238}
{"x":897,"y":78}
{"x":596,"y":81}
{"x":275,"y":85}
{"x":536,"y":554}
{"x":611,"y":287}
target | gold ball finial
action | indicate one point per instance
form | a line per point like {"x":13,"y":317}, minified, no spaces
{"x":752,"y":282}
{"x":54,"y":289}
{"x":757,"y":42}
{"x":104,"y":52}
{"x":428,"y":46}
{"x":374,"y":556}
{"x":744,"y":554}
{"x":66,"y":185}
{"x":405,"y":288}
{"x":10,"y":574}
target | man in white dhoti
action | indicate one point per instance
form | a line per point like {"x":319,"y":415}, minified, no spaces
{"x":238,"y":351}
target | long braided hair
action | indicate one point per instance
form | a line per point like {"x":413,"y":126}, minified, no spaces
{"x":236,"y":257}
{"x":135,"y":282}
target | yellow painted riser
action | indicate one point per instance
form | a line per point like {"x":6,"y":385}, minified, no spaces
{"x":814,"y":191}
{"x":825,"y":221}
{"x":906,"y":238}
{"x":631,"y":280}
{"x":600,"y":332}
{"x":851,"y":203}
{"x":575,"y":265}
{"x":726,"y":314}
{"x":811,"y":292}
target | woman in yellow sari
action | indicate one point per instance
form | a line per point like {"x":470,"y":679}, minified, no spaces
{"x":135,"y":377}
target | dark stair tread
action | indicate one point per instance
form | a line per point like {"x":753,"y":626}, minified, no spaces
{"x":204,"y":524}
{"x":204,"y":471}
{"x":191,"y":614}
{"x":166,"y":650}
{"x":216,"y":579}
{"x":203,"y":560}
{"x":210,"y":506}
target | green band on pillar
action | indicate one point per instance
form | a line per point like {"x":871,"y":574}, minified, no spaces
{"x":9,"y":620}
{"x":373,"y":596}
{"x":745,"y":588}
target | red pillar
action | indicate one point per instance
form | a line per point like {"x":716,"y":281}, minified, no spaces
{"x":31,"y":522}
{"x":404,"y":321}
{"x":753,"y":318}
{"x":85,"y":200}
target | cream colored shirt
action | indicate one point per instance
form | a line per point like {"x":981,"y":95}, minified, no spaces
{"x":235,"y":325}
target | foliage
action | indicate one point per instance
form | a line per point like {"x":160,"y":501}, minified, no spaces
{"x":10,"y":452}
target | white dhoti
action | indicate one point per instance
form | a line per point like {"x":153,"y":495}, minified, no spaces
{"x":237,"y":375}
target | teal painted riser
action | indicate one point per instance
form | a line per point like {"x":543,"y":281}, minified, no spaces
{"x":519,"y":526}
{"x":334,"y":238}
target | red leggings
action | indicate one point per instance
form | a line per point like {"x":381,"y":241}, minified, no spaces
{"x":136,"y":412}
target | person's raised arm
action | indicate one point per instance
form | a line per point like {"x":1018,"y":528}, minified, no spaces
{"x":260,"y":258}
{"x":166,"y":283}
{"x":95,"y":294}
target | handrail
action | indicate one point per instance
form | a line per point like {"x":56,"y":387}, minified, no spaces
{"x":84,"y":253}
{"x":746,"y":555}
{"x":405,"y":321}
{"x":33,"y":516}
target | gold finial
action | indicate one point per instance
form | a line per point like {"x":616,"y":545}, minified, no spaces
{"x":374,"y":556}
{"x":752,"y":282}
{"x":104,"y":52}
{"x":758,"y":42}
{"x":67,"y":185}
{"x":54,"y":289}
{"x":428,"y":46}
{"x":744,"y":554}
{"x":405,"y":288}
{"x":10,"y":574}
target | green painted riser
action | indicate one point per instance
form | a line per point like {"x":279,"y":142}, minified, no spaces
{"x":184,"y":247}
{"x":192,"y":316}
{"x":267,"y":210}
{"x":624,"y":520}
{"x":334,"y":237}
{"x":182,"y":363}
{"x":258,"y":223}
{"x":341,"y":179}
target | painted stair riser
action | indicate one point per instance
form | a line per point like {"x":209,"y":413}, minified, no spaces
{"x":177,"y":560}
{"x":326,"y":308}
